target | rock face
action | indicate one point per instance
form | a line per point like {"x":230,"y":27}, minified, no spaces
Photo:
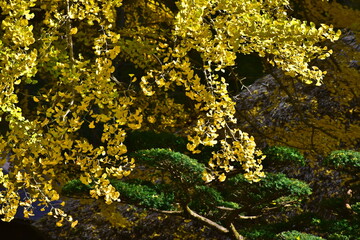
{"x":279,"y":110}
{"x":350,"y":39}
{"x":122,"y":221}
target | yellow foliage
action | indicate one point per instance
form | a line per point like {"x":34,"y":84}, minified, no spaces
{"x":323,"y":119}
{"x":73,"y":53}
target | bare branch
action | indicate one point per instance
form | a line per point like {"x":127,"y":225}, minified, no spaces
{"x":249,"y":217}
{"x":236,"y":233}
{"x":206,"y":221}
{"x":167,"y":212}
{"x":225,"y":208}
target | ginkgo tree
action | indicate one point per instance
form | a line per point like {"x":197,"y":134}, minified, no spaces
{"x":59,"y":63}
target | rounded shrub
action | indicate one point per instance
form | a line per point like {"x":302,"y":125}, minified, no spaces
{"x":275,"y":187}
{"x":280,"y":155}
{"x":180,"y":167}
{"x":144,"y":195}
{"x":347,"y":160}
{"x":289,"y":186}
{"x":295,"y":235}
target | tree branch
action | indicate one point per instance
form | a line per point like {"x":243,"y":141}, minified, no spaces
{"x":236,"y":233}
{"x":166,"y":211}
{"x":249,"y":217}
{"x":206,"y":221}
{"x":225,"y":208}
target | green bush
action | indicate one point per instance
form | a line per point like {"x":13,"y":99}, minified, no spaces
{"x":281,"y":155}
{"x":144,"y":195}
{"x":295,"y":235}
{"x":347,"y":160}
{"x":205,"y":198}
{"x":182,"y":168}
{"x":75,"y":187}
{"x":287,"y":186}
{"x":274,"y":186}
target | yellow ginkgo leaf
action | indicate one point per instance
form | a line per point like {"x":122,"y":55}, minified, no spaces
{"x":73,"y":224}
{"x":73,"y":31}
{"x":222,"y":177}
{"x":92,"y":125}
{"x":59,"y":223}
